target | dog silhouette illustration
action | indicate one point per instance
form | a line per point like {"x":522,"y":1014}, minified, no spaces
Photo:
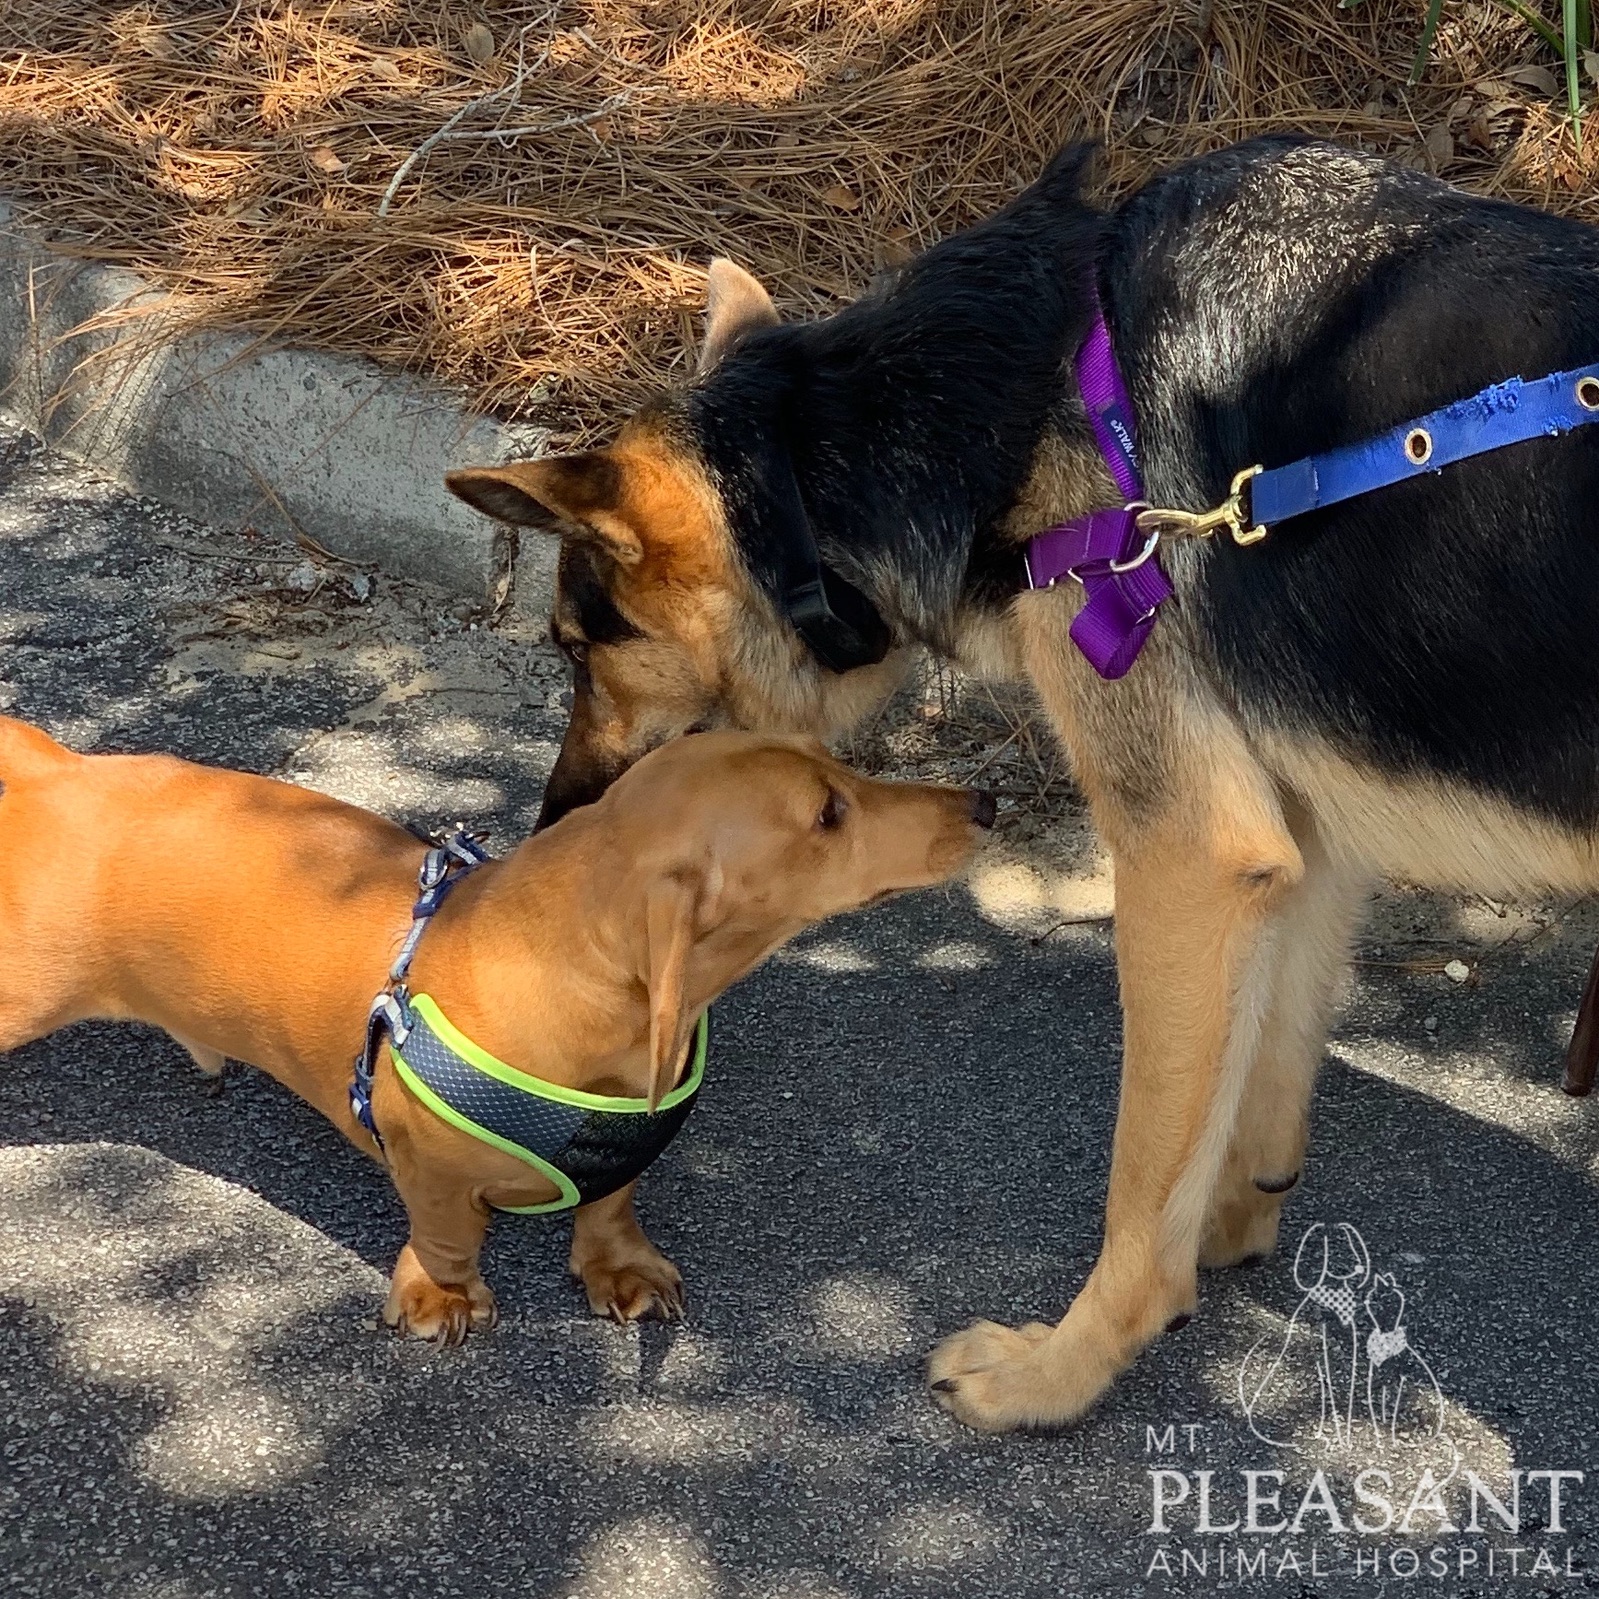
{"x":1314,"y":1367}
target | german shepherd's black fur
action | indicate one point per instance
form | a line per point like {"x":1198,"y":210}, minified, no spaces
{"x":1449,"y":624}
{"x":912,"y":418}
{"x":1405,"y":683}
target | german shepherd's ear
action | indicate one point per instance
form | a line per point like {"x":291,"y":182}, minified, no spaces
{"x":675,"y":912}
{"x":572,"y":496}
{"x":735,"y":306}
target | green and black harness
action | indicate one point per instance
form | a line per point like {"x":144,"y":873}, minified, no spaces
{"x":588,"y":1145}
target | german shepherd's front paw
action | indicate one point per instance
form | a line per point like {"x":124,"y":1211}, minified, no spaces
{"x":991,"y":1377}
{"x":440,"y":1313}
{"x":627,"y":1286}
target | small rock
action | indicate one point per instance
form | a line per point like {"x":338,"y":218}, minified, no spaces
{"x":463,"y":611}
{"x":1457,"y":971}
{"x":303,"y":578}
{"x":1430,"y":1023}
{"x":360,"y":586}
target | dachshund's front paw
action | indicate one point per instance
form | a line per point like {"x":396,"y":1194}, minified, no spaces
{"x":440,"y":1313}
{"x":627,"y":1284}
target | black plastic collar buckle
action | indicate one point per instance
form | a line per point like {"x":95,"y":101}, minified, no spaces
{"x":839,"y":625}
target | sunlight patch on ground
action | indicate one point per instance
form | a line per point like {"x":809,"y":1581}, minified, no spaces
{"x":692,"y":1364}
{"x":960,"y":955}
{"x":1477,"y":1085}
{"x":829,"y":957}
{"x":189,"y":1313}
{"x":1273,"y":1364}
{"x":16,"y":623}
{"x":934,"y":1537}
{"x":653,"y":1557}
{"x":863,"y":1316}
{"x":366,"y":768}
{"x":1028,"y":895}
{"x":686,"y":1432}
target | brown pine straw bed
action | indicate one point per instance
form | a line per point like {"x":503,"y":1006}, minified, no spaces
{"x":522,"y":197}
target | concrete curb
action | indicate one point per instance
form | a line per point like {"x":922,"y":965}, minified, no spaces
{"x":231,"y":433}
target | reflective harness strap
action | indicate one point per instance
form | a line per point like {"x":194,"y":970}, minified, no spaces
{"x":587,"y":1145}
{"x":389,"y":1016}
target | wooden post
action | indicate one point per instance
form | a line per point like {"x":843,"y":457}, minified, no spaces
{"x":1582,"y":1057}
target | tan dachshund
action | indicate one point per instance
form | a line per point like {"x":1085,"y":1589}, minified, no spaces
{"x":255,"y":921}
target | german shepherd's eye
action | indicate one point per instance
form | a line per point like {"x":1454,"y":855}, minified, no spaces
{"x":833,"y":810}
{"x":577,"y":651}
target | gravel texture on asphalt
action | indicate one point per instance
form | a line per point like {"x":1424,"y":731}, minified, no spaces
{"x":905,"y":1126}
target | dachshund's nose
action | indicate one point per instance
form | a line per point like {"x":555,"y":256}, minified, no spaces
{"x":984,"y":808}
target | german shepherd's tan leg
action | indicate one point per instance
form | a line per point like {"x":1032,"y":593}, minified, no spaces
{"x":1313,"y":928}
{"x":1197,"y":886}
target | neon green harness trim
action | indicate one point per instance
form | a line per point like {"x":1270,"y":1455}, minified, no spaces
{"x":465,"y":1086}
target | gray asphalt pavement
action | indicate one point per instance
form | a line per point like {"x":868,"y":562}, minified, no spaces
{"x":905,"y":1126}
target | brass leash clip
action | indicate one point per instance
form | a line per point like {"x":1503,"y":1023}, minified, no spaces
{"x":1230,"y":514}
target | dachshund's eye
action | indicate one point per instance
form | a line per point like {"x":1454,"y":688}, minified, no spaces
{"x":833,"y":810}
{"x":577,"y":652}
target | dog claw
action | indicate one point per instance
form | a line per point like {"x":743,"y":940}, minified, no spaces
{"x":945,"y":1385}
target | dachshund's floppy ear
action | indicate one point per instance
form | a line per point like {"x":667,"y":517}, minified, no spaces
{"x":735,"y":306}
{"x":574,"y":496}
{"x":676,"y":910}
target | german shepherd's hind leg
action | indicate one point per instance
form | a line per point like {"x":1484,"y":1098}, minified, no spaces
{"x":624,"y":1275}
{"x":1197,"y":890}
{"x":1313,"y":926}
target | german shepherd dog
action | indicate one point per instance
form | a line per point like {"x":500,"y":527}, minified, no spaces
{"x":1405,"y":684}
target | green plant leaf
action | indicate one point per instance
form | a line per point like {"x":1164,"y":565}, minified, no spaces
{"x":1429,"y":32}
{"x":1573,"y":79}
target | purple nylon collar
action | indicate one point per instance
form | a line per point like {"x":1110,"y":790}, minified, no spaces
{"x":1103,"y":551}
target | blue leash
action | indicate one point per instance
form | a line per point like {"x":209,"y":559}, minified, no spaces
{"x":1501,"y":414}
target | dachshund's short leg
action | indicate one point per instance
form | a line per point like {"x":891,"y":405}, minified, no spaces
{"x":623,"y":1273}
{"x":436,"y":1292}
